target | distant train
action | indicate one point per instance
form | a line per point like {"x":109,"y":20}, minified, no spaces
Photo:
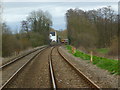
{"x":54,"y":39}
{"x":65,"y":41}
{"x":53,"y":36}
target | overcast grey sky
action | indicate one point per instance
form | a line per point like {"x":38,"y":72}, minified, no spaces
{"x":60,"y":0}
{"x":14,"y":12}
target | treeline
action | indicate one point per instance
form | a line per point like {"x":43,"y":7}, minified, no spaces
{"x":34,"y":32}
{"x":62,"y":34}
{"x":93,"y":28}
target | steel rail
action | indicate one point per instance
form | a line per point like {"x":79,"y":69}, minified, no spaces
{"x":16,"y":73}
{"x":52,"y":71}
{"x":18,"y":58}
{"x":89,"y":81}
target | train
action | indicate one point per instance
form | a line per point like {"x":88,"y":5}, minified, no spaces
{"x":64,"y":41}
{"x":54,"y":38}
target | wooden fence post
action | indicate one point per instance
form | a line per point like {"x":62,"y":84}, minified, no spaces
{"x":91,"y":57}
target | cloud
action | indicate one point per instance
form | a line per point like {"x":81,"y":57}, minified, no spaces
{"x":15,"y":12}
{"x":14,"y":18}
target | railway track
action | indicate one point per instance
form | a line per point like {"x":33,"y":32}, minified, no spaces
{"x":53,"y":76}
{"x":19,"y":57}
{"x":16,"y":65}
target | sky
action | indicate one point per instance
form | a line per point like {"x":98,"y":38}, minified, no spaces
{"x":14,"y":12}
{"x":61,"y":0}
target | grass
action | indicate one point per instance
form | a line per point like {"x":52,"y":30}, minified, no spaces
{"x":103,"y":63}
{"x":68,"y":47}
{"x":103,"y":50}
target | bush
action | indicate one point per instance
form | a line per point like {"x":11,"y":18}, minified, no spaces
{"x":36,"y":39}
{"x":114,"y":47}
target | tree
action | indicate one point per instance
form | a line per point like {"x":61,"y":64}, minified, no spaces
{"x":93,"y":28}
{"x":39,"y":22}
{"x":78,"y":32}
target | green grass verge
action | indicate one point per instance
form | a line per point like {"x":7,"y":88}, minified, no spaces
{"x":104,"y":63}
{"x":103,"y":50}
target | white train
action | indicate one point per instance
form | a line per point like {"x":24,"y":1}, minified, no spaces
{"x":53,"y":36}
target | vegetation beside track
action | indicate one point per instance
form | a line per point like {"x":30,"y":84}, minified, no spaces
{"x":93,"y":29}
{"x":103,"y":50}
{"x":104,"y":63}
{"x":34,"y":32}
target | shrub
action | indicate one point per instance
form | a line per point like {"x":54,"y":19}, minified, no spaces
{"x":114,"y":47}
